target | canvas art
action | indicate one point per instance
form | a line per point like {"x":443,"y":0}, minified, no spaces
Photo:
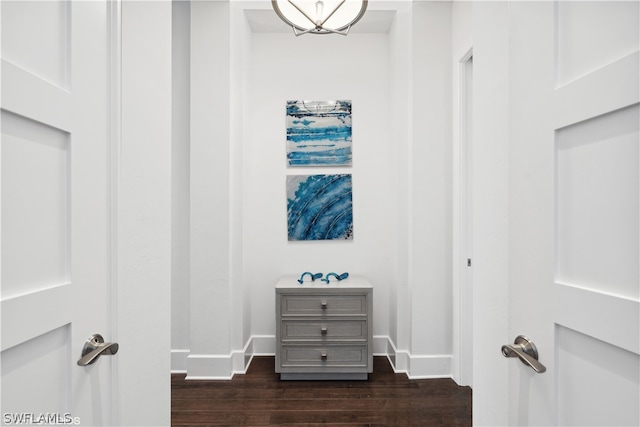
{"x":319,"y":133}
{"x":319,"y":207}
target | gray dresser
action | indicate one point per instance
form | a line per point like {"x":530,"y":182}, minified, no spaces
{"x":324,"y":331}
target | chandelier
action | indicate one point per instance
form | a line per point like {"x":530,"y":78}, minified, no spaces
{"x":320,"y":16}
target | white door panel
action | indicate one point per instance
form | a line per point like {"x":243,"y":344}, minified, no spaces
{"x":55,"y":217}
{"x":85,"y":210}
{"x":38,"y":38}
{"x":610,"y":87}
{"x":592,"y":34}
{"x":597,"y":209}
{"x":570,"y":70}
{"x":35,"y":187}
{"x":39,"y":364}
{"x":603,"y":316}
{"x":20,"y":87}
{"x":597,"y":235}
{"x":574,"y":211}
{"x":597,"y":382}
{"x":597,"y":316}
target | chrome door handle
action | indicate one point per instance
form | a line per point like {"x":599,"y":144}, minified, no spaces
{"x":526,"y":350}
{"x":96,"y":347}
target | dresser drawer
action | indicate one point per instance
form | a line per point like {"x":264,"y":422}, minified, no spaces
{"x":335,"y":330}
{"x":325,"y":356}
{"x":328,"y":305}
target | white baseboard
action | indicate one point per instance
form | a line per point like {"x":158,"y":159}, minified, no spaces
{"x":399,"y":359}
{"x":224,"y":367}
{"x":431,"y":366}
{"x":419,"y":366}
{"x":380,"y":345}
{"x":264,"y":345}
{"x":209,"y":367}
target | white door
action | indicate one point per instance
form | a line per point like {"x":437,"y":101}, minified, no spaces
{"x":56,"y":265}
{"x":573,"y":216}
{"x":84,"y":222}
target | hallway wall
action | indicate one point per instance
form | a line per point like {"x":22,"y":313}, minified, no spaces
{"x":284,"y":68}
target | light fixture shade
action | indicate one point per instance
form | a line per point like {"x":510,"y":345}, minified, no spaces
{"x":320,"y":16}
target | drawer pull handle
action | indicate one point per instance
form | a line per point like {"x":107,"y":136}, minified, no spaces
{"x":324,"y":305}
{"x":323,"y":331}
{"x":323,"y":356}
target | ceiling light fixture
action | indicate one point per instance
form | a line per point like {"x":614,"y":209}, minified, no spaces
{"x":320,"y":16}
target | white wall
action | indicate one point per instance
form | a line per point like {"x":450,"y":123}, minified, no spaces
{"x":491,"y":213}
{"x":320,"y":68}
{"x":211,"y":290}
{"x":144,"y":213}
{"x":400,"y":86}
{"x":430,"y":191}
{"x":401,"y":95}
{"x":241,"y":67}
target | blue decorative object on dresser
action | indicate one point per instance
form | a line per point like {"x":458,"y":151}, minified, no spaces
{"x":313,"y":276}
{"x":338,"y":277}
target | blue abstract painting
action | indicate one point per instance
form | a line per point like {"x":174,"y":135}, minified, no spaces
{"x":319,"y":133}
{"x":319,"y":207}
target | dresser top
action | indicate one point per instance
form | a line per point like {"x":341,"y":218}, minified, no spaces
{"x":288,"y":282}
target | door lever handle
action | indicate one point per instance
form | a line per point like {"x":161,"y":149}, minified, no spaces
{"x":96,"y":347}
{"x":526,"y":350}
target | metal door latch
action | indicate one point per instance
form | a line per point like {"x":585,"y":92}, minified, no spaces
{"x":526,"y":350}
{"x":95,"y":347}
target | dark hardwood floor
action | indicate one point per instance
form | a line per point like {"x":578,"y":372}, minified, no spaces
{"x":259,"y":398}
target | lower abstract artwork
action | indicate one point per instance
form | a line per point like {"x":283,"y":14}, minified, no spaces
{"x":319,"y":207}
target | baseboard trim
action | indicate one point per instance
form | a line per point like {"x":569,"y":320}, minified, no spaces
{"x":264,"y":345}
{"x":419,"y":366}
{"x":224,"y":367}
{"x":430,"y":366}
{"x":209,"y":367}
{"x":380,"y":345}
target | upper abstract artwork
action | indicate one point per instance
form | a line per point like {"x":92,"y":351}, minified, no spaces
{"x":319,"y":133}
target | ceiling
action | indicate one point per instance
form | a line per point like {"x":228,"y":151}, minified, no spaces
{"x":266,"y":21}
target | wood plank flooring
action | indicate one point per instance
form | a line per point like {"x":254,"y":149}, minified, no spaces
{"x":259,"y":398}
